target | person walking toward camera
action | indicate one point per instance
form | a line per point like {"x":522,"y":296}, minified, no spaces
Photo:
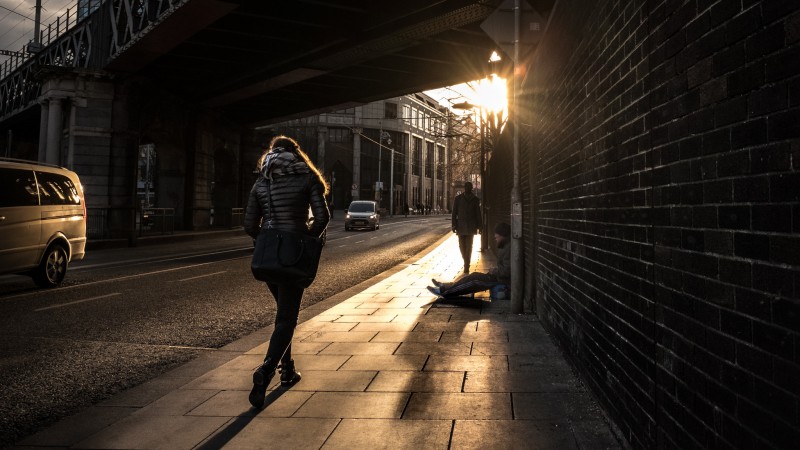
{"x":288,"y":184}
{"x":466,"y":221}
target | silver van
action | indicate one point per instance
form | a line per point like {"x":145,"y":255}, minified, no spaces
{"x":362,"y":214}
{"x":42,"y":220}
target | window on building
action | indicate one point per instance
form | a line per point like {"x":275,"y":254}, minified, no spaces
{"x":400,"y":153}
{"x":339,"y":135}
{"x":416,"y":156}
{"x":389,"y":110}
{"x":399,"y":164}
{"x":407,"y":114}
{"x":146,"y":175}
{"x":440,"y":162}
{"x":429,"y":159}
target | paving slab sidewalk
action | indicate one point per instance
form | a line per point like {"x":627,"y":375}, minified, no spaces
{"x":384,"y":365}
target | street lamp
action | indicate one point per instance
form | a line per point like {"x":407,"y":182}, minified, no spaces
{"x":386,"y":137}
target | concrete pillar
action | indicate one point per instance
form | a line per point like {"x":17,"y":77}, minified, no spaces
{"x":446,"y":177}
{"x":423,"y":150}
{"x":73,"y":113}
{"x":54,"y":131}
{"x":409,"y":171}
{"x":356,"y":165}
{"x":45,"y":114}
{"x":322,"y":139}
{"x":434,"y":199}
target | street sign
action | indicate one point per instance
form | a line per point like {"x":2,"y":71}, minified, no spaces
{"x":500,"y":27}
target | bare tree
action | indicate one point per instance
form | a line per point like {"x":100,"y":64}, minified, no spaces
{"x":465,"y":150}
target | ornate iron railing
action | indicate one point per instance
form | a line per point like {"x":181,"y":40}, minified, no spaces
{"x":88,"y":35}
{"x":63,"y":24}
{"x":20,"y":88}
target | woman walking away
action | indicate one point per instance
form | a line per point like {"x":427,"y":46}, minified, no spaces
{"x":290,"y":183}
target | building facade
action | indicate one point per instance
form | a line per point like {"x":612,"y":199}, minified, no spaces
{"x":394,"y":151}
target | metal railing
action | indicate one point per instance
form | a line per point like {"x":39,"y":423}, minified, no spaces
{"x":96,"y":223}
{"x":237,"y":217}
{"x":156,"y":221}
{"x":51,"y":33}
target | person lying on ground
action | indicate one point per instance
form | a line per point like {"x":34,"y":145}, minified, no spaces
{"x":477,"y":281}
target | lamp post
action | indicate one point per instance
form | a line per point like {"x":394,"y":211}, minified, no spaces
{"x":391,"y":182}
{"x":516,"y":204}
{"x":385,"y":136}
{"x":379,"y":184}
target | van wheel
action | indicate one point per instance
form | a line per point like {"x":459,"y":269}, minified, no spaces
{"x":53,"y":268}
{"x":346,"y":228}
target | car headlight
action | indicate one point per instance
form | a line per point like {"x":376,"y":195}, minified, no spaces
{"x":347,"y":216}
{"x":372,"y":216}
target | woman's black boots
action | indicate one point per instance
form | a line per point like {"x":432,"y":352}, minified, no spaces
{"x":261,"y":378}
{"x":289,"y":376}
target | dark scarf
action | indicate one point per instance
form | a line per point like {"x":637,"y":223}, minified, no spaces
{"x":280,"y":162}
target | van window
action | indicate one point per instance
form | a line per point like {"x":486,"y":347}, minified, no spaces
{"x":55,"y":189}
{"x":361,"y":207}
{"x":17,"y":188}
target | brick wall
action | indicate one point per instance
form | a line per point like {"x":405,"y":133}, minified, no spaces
{"x":665,"y":170}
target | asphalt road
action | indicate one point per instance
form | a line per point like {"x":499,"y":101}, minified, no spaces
{"x":125,"y":316}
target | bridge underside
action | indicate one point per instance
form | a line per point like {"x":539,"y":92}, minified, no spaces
{"x":263,"y":62}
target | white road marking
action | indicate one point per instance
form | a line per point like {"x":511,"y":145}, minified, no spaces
{"x":126,"y":277}
{"x":202,"y":276}
{"x":358,"y":242}
{"x":78,"y":301}
{"x":156,"y":259}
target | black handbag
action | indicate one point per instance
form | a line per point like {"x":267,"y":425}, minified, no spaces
{"x":285,"y":257}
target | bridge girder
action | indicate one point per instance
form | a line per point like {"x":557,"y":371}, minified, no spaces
{"x":262,"y":62}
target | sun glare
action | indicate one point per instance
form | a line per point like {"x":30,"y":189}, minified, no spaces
{"x":492,"y":93}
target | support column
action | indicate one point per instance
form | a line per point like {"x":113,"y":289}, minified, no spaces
{"x":54,"y":131}
{"x":434,"y":199}
{"x":446,"y":176}
{"x":73,"y":113}
{"x":44,"y":115}
{"x":410,"y":171}
{"x":422,"y":151}
{"x":356,"y":165}
{"x":322,"y":140}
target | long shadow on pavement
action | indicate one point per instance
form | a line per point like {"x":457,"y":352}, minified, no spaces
{"x":465,"y":302}
{"x":224,"y":436}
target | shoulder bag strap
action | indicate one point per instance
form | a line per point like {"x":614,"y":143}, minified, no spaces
{"x":269,"y":202}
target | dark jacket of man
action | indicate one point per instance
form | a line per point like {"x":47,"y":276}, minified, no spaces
{"x":466,"y":214}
